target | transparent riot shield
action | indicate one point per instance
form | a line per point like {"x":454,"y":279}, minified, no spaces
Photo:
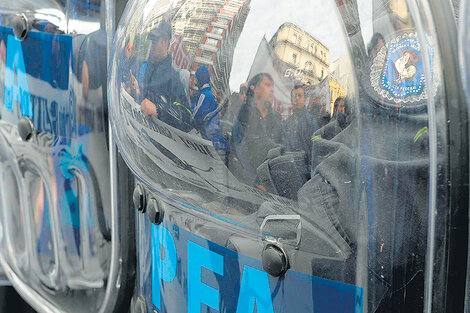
{"x":292,"y":156}
{"x":464,"y":59}
{"x":61,"y":244}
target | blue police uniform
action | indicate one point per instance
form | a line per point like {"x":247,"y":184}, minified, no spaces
{"x":163,"y":87}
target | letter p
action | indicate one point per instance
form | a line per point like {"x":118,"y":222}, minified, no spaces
{"x":163,"y":261}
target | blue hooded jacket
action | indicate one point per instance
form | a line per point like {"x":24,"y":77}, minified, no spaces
{"x":204,"y":105}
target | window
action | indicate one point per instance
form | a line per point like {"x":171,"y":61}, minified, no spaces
{"x":207,"y":55}
{"x":217,"y":30}
{"x":222,"y":20}
{"x":294,"y":58}
{"x":308,"y":66}
{"x":211,"y":42}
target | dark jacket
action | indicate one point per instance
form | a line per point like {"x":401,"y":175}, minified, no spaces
{"x":364,"y":211}
{"x":328,"y":131}
{"x":298,"y":130}
{"x":232,"y":110}
{"x":162,"y":86}
{"x":376,"y":171}
{"x":254,"y":136}
{"x":333,"y":128}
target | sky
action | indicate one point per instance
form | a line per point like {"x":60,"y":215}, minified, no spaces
{"x":319,"y":18}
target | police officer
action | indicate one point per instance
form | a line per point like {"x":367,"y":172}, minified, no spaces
{"x":162,"y":94}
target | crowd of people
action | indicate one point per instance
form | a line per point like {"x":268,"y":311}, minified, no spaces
{"x":318,"y":159}
{"x":245,"y":131}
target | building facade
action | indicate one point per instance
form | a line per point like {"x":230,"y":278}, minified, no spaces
{"x":307,"y":59}
{"x":210,"y":30}
{"x":342,"y":82}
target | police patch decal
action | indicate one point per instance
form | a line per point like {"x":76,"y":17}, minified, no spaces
{"x":397,"y":72}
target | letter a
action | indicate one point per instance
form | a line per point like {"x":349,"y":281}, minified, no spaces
{"x":16,"y":91}
{"x":254,"y":289}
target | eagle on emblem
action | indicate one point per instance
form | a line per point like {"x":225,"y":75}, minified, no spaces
{"x":405,"y":66}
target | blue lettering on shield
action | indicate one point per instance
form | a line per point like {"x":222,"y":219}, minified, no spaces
{"x":163,"y":261}
{"x":16,"y":89}
{"x":192,"y":275}
{"x":198,"y":292}
{"x":254,"y":289}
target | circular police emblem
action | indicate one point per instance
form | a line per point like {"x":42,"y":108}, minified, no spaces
{"x":397,"y":72}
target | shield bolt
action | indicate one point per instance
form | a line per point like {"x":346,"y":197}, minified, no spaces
{"x":20,"y":26}
{"x":138,"y":197}
{"x":155,"y":211}
{"x":25,"y":128}
{"x":275,"y":261}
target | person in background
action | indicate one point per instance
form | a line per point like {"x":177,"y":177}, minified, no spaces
{"x":340,"y":120}
{"x":257,"y":128}
{"x":299,"y":127}
{"x":341,"y":112}
{"x":319,"y":111}
{"x":232,"y":108}
{"x":129,"y":66}
{"x":236,"y":101}
{"x":184,"y":76}
{"x":286,"y":168}
{"x":325,"y":116}
{"x":375,"y":45}
{"x":204,"y":111}
{"x":161,"y":93}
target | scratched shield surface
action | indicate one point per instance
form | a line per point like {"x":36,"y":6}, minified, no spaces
{"x":300,"y":128}
{"x":54,"y":168}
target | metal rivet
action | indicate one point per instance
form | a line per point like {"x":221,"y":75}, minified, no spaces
{"x":20,"y":26}
{"x":275,"y":261}
{"x":138,"y":197}
{"x":25,"y":128}
{"x":155,"y":211}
